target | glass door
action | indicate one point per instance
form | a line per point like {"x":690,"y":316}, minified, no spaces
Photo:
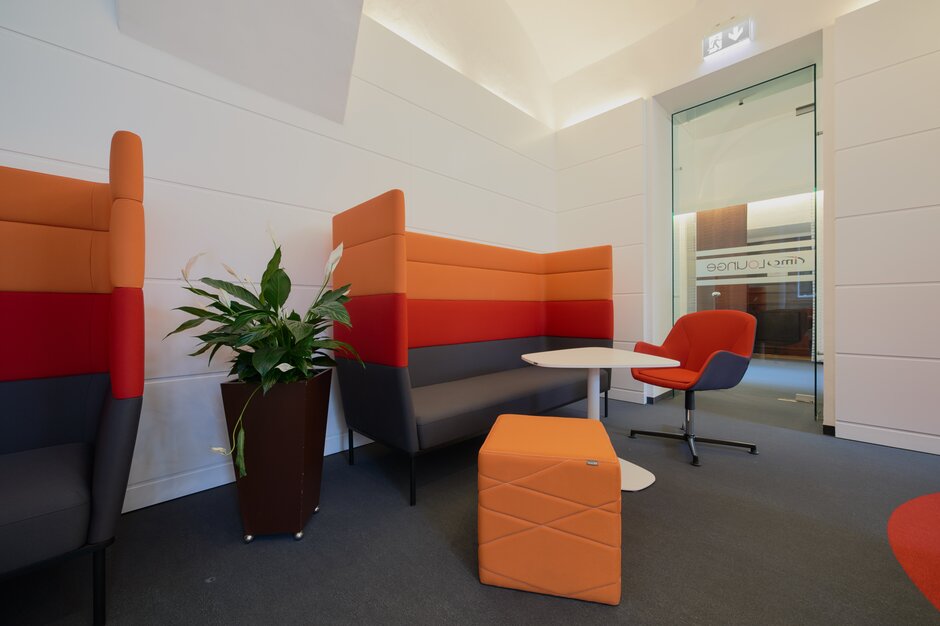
{"x":744,"y":225}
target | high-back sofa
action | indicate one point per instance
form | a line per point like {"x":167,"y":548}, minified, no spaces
{"x":441,"y":325}
{"x":72,"y":366}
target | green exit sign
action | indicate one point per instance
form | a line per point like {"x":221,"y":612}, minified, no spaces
{"x":723,"y":39}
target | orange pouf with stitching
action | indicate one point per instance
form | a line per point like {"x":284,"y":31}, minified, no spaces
{"x":549,"y":508}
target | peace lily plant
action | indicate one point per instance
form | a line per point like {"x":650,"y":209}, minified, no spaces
{"x":270,"y":344}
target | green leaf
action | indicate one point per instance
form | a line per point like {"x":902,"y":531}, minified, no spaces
{"x":195,"y":311}
{"x":276,"y":289}
{"x":186,"y":326}
{"x":215,"y":349}
{"x":240,"y":453}
{"x":253,"y":336}
{"x":266,"y":358}
{"x":300,"y":330}
{"x":273,"y":265}
{"x":235,"y":290}
{"x":333,"y":311}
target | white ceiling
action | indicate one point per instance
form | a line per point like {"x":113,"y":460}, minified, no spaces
{"x":569,"y":35}
{"x":519,"y":49}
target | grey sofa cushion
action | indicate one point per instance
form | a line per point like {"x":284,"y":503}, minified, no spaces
{"x":45,"y":497}
{"x":449,"y":411}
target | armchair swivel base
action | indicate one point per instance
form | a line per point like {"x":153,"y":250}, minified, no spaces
{"x":688,"y":434}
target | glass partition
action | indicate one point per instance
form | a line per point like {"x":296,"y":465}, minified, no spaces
{"x":744,"y":222}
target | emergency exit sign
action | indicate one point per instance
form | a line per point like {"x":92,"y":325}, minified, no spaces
{"x":730,"y":36}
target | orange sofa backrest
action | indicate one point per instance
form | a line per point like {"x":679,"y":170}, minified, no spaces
{"x":71,"y":272}
{"x":411,"y":290}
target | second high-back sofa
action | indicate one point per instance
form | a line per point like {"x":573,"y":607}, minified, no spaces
{"x":441,"y":325}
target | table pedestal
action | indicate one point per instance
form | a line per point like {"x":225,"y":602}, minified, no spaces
{"x":632,"y":477}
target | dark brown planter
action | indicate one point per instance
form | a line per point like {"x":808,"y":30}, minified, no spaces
{"x":285,"y":431}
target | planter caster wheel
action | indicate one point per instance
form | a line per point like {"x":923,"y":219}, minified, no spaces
{"x":249,"y":538}
{"x":298,"y":536}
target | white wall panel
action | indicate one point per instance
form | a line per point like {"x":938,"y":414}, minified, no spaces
{"x":889,"y":175}
{"x":621,"y":378}
{"x":602,"y":200}
{"x":888,"y":320}
{"x":618,"y":223}
{"x":628,"y":317}
{"x":441,"y":206}
{"x":888,"y":392}
{"x":897,"y":247}
{"x":906,"y":29}
{"x":600,"y":136}
{"x":182,"y":420}
{"x":887,"y":294}
{"x":618,"y":175}
{"x":185,"y":221}
{"x":224,"y":164}
{"x":628,"y":269}
{"x":919,"y":442}
{"x":870,"y":107}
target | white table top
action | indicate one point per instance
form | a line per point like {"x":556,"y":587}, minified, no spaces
{"x":596,"y":358}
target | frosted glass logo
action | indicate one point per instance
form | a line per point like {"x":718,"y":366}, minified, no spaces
{"x":772,"y":263}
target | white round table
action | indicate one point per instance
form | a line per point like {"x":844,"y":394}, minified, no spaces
{"x":632,"y":477}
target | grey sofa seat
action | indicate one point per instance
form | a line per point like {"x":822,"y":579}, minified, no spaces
{"x":448,"y":411}
{"x":47,"y":503}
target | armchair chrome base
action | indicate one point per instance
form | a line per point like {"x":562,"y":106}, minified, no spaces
{"x":688,"y":433}
{"x":692,"y":439}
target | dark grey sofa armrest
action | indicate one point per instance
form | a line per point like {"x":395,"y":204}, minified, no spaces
{"x":377,"y":403}
{"x":114,"y":449}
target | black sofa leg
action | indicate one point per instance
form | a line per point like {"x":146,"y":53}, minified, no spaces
{"x":98,"y":610}
{"x":352,"y":456}
{"x":413,"y":486}
{"x":605,"y":404}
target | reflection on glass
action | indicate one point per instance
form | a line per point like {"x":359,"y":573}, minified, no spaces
{"x":744,"y":213}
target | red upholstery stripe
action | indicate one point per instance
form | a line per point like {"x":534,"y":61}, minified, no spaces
{"x":440,"y":322}
{"x":379,"y":324}
{"x":127,"y":342}
{"x":53,"y":334}
{"x":580,"y":318}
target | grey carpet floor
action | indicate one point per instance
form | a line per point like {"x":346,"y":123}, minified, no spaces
{"x":795,"y":535}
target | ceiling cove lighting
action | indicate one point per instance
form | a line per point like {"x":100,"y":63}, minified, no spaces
{"x":736,"y":33}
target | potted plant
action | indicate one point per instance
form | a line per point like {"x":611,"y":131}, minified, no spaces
{"x":276,"y":408}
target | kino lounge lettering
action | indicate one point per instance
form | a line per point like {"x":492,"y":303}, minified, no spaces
{"x":755,"y":265}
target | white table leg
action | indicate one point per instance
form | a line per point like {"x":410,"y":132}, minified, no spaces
{"x":632,"y":477}
{"x":594,"y":393}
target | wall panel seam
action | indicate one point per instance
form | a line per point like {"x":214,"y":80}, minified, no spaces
{"x":180,"y":474}
{"x":180,"y":282}
{"x":599,"y":157}
{"x":921,"y":283}
{"x":886,"y":139}
{"x":273,"y":118}
{"x":889,"y":357}
{"x":548,"y":166}
{"x":158,"y":380}
{"x":596,"y":204}
{"x":885,"y":67}
{"x":326,"y":212}
{"x":889,"y":211}
{"x":887,"y":429}
{"x":459,"y":237}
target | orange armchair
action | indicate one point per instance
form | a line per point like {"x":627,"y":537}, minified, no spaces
{"x":713,"y":349}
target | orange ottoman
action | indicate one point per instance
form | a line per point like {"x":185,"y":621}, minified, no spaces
{"x":549,"y":508}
